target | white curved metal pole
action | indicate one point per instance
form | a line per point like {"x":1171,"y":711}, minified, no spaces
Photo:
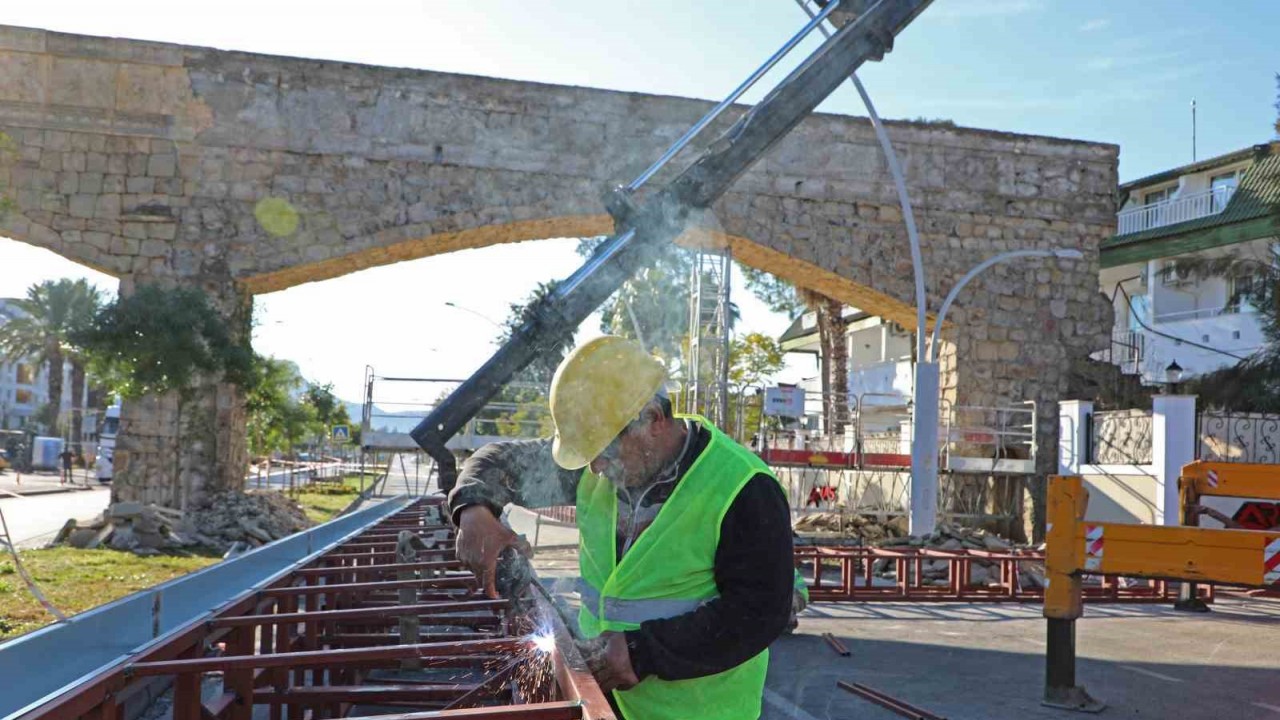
{"x":994,"y":260}
{"x":895,"y":170}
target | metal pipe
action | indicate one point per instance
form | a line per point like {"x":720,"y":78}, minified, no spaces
{"x":738,"y":92}
{"x":899,"y":182}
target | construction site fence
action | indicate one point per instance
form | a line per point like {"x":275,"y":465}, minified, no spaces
{"x":848,"y":574}
{"x":873,"y":430}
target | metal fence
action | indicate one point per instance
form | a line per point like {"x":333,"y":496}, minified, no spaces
{"x":1120,"y":437}
{"x":1238,"y":437}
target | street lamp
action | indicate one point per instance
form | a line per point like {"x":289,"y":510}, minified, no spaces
{"x":1172,"y":376}
{"x":924,"y":424}
{"x":482,"y":316}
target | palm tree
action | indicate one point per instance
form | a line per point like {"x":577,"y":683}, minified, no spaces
{"x":833,"y":332}
{"x":40,"y":331}
{"x":85,"y":301}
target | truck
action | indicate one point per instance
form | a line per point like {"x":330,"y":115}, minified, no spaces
{"x":107,"y":444}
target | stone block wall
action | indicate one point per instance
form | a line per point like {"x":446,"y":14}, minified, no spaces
{"x":247,"y":173}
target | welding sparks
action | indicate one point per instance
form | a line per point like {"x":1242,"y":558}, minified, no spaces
{"x":544,"y":642}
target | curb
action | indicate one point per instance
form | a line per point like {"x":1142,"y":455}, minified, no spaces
{"x":22,"y":492}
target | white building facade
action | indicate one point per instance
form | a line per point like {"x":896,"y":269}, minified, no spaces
{"x":1166,"y":310}
{"x":24,"y":384}
{"x":880,"y":367}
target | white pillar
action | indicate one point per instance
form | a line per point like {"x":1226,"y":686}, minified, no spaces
{"x":924,"y":450}
{"x":1173,"y":444}
{"x":1073,"y":435}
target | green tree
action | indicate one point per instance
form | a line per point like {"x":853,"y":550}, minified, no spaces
{"x":520,"y":407}
{"x":267,"y":397}
{"x":753,"y":359}
{"x":52,"y":314}
{"x":329,"y":410}
{"x":161,"y":340}
{"x":780,"y":295}
{"x":783,"y":297}
{"x":653,"y":305}
{"x":543,"y":367}
{"x":1252,"y":384}
{"x":1276,"y":125}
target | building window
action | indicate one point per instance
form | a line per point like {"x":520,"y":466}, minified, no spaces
{"x":1242,"y":292}
{"x":1159,"y":196}
{"x":1221,"y":187}
{"x":26,"y":374}
{"x":23,"y":397}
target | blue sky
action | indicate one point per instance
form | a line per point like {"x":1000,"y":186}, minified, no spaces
{"x":1119,"y":72}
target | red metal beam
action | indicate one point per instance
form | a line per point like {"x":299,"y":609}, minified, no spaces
{"x":572,"y":710}
{"x":322,"y":658}
{"x":359,"y":613}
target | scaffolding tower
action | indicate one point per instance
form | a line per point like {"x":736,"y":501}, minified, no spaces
{"x":708,"y":390}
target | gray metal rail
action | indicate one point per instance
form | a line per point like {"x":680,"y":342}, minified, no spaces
{"x":54,"y":660}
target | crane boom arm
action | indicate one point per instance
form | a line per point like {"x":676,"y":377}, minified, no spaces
{"x":642,"y":228}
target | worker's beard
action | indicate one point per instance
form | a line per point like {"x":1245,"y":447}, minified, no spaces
{"x":630,"y":479}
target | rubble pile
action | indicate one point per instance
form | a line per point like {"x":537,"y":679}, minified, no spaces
{"x":255,"y":518}
{"x":955,"y":537}
{"x":892,"y":534}
{"x":866,"y":527}
{"x":231,"y":521}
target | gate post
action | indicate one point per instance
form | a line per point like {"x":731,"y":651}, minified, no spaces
{"x":1073,"y":435}
{"x":1173,"y":444}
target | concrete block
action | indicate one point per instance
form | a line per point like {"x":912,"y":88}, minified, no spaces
{"x":125,"y":510}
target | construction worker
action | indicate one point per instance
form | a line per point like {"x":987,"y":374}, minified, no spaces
{"x":685,"y":553}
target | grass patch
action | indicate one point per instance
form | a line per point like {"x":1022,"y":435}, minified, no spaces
{"x":76,"y":580}
{"x":323,"y":501}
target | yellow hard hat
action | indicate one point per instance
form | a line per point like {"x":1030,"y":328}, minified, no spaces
{"x":597,"y":390}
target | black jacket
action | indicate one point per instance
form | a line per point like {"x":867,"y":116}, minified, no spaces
{"x":754,"y":568}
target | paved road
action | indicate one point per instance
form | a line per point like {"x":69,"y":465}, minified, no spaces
{"x":34,"y":520}
{"x":409,"y":474}
{"x":986,"y":662}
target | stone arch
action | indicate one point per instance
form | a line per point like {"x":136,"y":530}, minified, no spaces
{"x":149,"y":161}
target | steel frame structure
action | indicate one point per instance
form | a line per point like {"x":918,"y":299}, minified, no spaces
{"x":320,"y":641}
{"x":857,"y":563}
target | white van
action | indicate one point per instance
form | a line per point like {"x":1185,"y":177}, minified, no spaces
{"x":107,"y":443}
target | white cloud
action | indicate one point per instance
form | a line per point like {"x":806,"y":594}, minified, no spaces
{"x":1095,"y":24}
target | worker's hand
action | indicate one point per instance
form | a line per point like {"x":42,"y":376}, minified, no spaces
{"x":481,"y":539}
{"x":610,"y":662}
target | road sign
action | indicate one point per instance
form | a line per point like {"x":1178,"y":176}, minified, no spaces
{"x":784,"y":400}
{"x":341,"y":433}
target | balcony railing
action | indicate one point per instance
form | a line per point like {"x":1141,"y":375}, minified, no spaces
{"x":1181,"y":209}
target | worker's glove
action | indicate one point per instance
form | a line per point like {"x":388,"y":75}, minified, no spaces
{"x":481,"y":540}
{"x":609,"y":660}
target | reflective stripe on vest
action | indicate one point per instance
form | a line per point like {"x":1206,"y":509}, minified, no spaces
{"x":636,"y":611}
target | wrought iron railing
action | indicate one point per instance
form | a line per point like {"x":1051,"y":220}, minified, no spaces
{"x":1120,"y":437}
{"x":1238,"y":437}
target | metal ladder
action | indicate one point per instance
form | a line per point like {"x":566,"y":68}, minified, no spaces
{"x":709,"y":320}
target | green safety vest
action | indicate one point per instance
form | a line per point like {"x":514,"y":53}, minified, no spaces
{"x":668,"y":571}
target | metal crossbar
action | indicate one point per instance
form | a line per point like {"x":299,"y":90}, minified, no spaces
{"x":322,"y":640}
